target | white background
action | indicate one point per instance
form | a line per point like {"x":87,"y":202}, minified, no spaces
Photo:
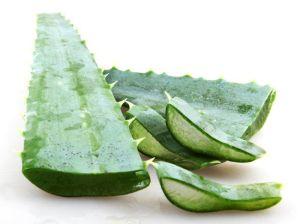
{"x":237,"y":40}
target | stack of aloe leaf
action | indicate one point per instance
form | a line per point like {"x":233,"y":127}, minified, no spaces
{"x":78,"y":143}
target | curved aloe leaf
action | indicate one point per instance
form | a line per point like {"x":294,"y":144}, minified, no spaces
{"x":77,"y":142}
{"x":237,"y":109}
{"x":159,"y":142}
{"x":194,"y":130}
{"x":195,"y":193}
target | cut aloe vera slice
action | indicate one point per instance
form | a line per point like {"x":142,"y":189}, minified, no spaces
{"x":237,"y":109}
{"x":194,"y":130}
{"x":158,"y":141}
{"x":77,"y":142}
{"x":194,"y":193}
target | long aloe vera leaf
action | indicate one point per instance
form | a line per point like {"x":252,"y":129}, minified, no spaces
{"x":192,"y":192}
{"x":194,"y":130}
{"x":237,"y":109}
{"x":77,"y":142}
{"x":158,"y":141}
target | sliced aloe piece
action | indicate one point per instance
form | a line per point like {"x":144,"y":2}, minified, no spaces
{"x":194,"y":130}
{"x":77,"y":142}
{"x":158,"y":141}
{"x":194,"y":193}
{"x":237,"y":109}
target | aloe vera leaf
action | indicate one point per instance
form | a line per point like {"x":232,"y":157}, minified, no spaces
{"x":237,"y":109}
{"x":194,"y":130}
{"x":77,"y":142}
{"x":194,"y":193}
{"x":158,"y":141}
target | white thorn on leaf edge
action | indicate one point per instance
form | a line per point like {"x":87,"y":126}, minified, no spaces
{"x":150,"y":162}
{"x":168,"y":95}
{"x":215,"y":162}
{"x":113,"y":84}
{"x":106,"y":75}
{"x":139,"y":140}
{"x":129,"y":121}
{"x":122,"y":102}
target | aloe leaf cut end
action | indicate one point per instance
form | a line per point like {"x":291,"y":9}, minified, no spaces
{"x":197,"y":194}
{"x":195,"y":131}
{"x":159,"y":142}
{"x":76,"y":139}
{"x":261,"y":117}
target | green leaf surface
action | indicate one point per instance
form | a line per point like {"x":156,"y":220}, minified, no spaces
{"x":237,"y":109}
{"x":194,"y":130}
{"x":77,"y":142}
{"x":159,"y":142}
{"x":194,"y":193}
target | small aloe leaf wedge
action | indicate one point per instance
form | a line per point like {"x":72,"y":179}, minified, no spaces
{"x":194,"y":130}
{"x":77,"y":142}
{"x":237,"y":109}
{"x":194,"y":193}
{"x":158,"y":142}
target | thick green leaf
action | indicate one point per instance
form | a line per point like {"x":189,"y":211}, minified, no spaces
{"x":159,"y":142}
{"x":194,"y":130}
{"x":77,"y":142}
{"x":237,"y":109}
{"x":194,"y":193}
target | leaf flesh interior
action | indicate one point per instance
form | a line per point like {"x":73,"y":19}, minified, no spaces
{"x":76,"y":140}
{"x":195,"y":131}
{"x":159,"y":142}
{"x":198,"y":142}
{"x":195,"y":193}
